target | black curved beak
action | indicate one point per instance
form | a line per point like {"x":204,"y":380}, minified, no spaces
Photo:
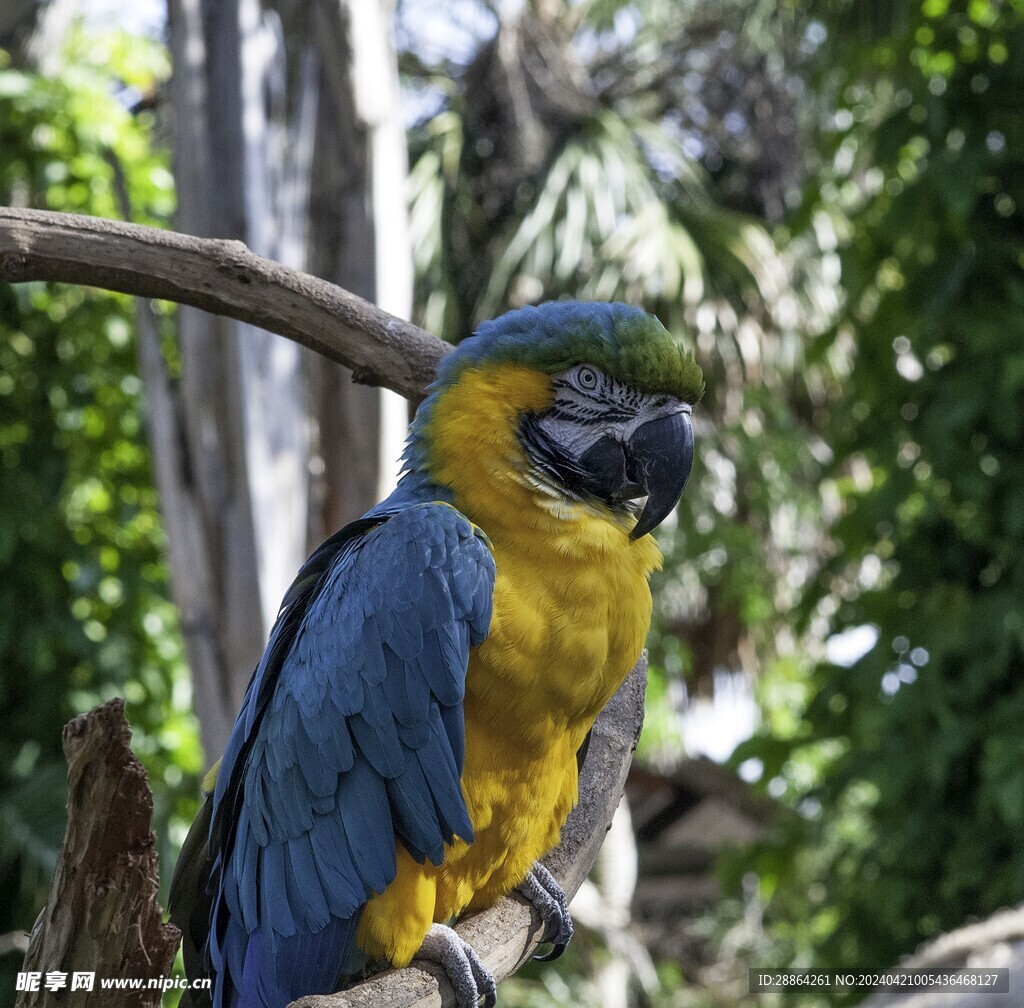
{"x":661,"y":452}
{"x":655,"y":461}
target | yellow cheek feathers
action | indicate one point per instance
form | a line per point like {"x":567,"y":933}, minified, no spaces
{"x":472,"y":442}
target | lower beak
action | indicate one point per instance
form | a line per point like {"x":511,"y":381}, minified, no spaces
{"x":661,"y":454}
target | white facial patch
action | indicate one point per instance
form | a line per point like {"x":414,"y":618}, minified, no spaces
{"x":590,"y":405}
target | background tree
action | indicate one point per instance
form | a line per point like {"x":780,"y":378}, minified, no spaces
{"x":287,"y":136}
{"x":915,"y":795}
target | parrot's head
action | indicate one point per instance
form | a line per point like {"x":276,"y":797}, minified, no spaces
{"x":598,"y":400}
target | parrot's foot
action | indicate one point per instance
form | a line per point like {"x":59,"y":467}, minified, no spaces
{"x":540,"y":890}
{"x":467,"y":973}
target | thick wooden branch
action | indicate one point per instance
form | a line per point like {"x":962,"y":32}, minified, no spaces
{"x":507,"y":934}
{"x":102,"y":915}
{"x":225,"y":278}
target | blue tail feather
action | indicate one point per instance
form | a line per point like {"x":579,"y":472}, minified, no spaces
{"x":290,"y":968}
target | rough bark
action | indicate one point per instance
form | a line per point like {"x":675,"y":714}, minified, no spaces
{"x":508,"y":934}
{"x":102,"y":914}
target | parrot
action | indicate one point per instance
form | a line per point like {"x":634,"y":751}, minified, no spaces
{"x":408,"y":747}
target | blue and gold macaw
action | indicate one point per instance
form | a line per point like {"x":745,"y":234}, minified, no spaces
{"x":407,"y":747}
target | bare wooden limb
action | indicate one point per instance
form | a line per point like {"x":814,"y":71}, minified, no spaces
{"x":225,"y":278}
{"x":102,"y":914}
{"x":507,"y":934}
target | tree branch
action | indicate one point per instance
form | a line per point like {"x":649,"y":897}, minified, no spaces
{"x":225,"y":278}
{"x":507,"y":935}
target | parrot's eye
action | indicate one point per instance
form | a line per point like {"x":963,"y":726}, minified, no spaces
{"x":586,"y":378}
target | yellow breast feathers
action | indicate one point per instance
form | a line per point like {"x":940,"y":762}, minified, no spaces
{"x":571,"y":610}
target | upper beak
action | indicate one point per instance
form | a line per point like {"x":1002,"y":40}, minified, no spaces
{"x":656,"y":461}
{"x":661,"y":452}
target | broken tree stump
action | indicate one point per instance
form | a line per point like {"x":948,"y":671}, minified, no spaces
{"x":102,"y":915}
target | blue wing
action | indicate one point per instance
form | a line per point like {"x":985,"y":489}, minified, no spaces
{"x":350,"y":738}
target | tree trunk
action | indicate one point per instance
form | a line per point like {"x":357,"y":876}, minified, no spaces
{"x":359,"y":240}
{"x":213,"y":559}
{"x":287,"y":136}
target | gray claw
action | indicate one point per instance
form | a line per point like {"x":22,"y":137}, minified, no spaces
{"x":542,"y":891}
{"x":556,"y":953}
{"x":468,"y":975}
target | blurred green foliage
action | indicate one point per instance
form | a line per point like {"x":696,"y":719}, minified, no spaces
{"x":908,"y":765}
{"x":84,"y":590}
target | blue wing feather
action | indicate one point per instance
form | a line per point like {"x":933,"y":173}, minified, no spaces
{"x":350,"y":740}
